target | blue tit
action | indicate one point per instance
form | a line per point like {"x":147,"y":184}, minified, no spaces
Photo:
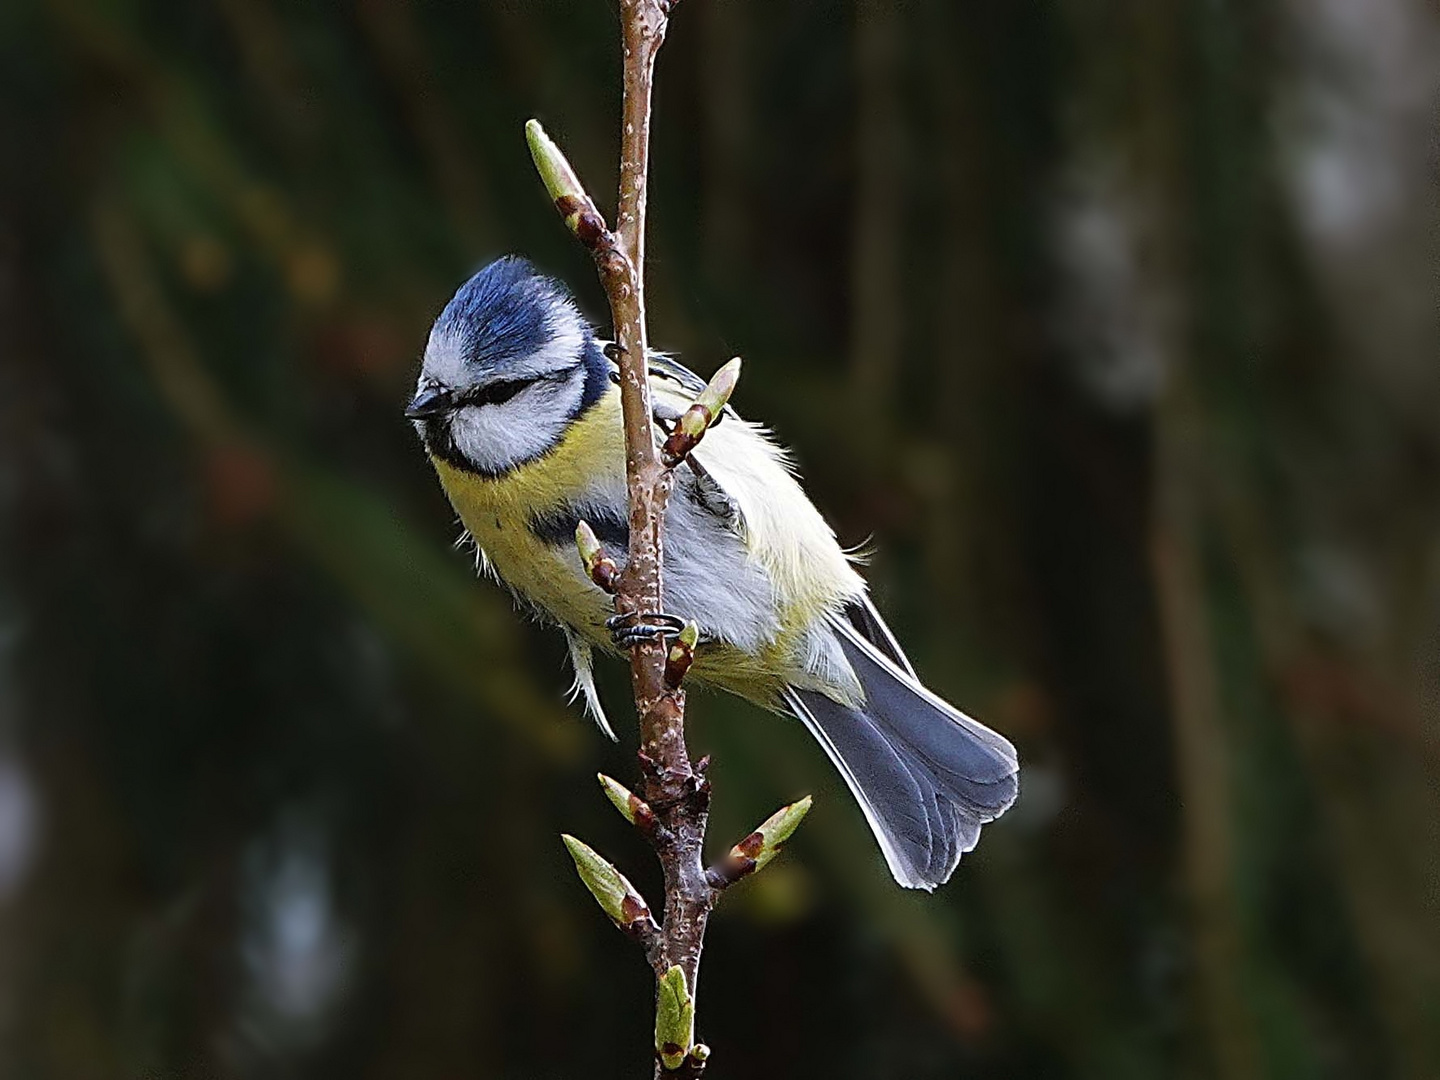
{"x":518,"y":408}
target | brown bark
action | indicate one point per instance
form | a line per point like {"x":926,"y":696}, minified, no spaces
{"x":678,"y":794}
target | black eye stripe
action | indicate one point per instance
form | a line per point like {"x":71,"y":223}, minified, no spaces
{"x":497,"y":393}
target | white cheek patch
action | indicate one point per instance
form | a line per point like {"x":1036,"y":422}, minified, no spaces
{"x":496,"y":438}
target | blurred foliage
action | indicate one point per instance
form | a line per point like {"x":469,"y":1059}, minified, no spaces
{"x":1113,"y":324}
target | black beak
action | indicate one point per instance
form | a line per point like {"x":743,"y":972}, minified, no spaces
{"x":429,"y":401}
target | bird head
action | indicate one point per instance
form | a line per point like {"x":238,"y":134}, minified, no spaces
{"x":510,"y":363}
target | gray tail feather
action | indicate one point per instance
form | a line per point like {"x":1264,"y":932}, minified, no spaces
{"x":926,"y":775}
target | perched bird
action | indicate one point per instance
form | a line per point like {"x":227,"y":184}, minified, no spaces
{"x":518,"y":408}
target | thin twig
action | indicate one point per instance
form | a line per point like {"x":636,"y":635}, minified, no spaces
{"x":677,"y":793}
{"x":672,"y":813}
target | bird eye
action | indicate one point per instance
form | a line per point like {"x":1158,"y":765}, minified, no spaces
{"x":497,"y":393}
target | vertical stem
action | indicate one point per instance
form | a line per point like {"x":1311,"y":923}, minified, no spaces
{"x":680,"y":798}
{"x":643,"y":27}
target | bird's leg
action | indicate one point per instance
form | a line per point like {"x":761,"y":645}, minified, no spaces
{"x":632,"y":627}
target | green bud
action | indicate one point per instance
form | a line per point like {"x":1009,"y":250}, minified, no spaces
{"x":764,"y":843}
{"x":554,"y":168}
{"x":574,"y":205}
{"x":698,"y":418}
{"x":599,"y":567}
{"x":619,"y":796}
{"x":615,"y":895}
{"x":693,"y":422}
{"x":674,"y":1019}
{"x":717,"y":392}
{"x":632,"y":808}
{"x":681,"y":654}
{"x":587,"y":543}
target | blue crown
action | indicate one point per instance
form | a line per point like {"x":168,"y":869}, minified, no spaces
{"x":501,"y":313}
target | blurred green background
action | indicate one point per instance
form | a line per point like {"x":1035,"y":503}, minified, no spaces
{"x":1114,"y":325}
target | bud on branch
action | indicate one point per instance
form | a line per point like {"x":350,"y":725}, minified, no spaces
{"x":697,"y":419}
{"x":615,"y":895}
{"x":574,"y":205}
{"x":681,"y":654}
{"x":632,"y":808}
{"x":760,"y":846}
{"x":599,"y":567}
{"x":674,"y":1020}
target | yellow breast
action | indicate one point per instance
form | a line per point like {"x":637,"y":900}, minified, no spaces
{"x":784,"y":535}
{"x":498,"y":511}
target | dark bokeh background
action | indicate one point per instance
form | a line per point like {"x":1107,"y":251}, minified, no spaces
{"x":1113,"y":324}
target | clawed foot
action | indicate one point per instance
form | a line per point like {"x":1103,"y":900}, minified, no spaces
{"x":633,"y":628}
